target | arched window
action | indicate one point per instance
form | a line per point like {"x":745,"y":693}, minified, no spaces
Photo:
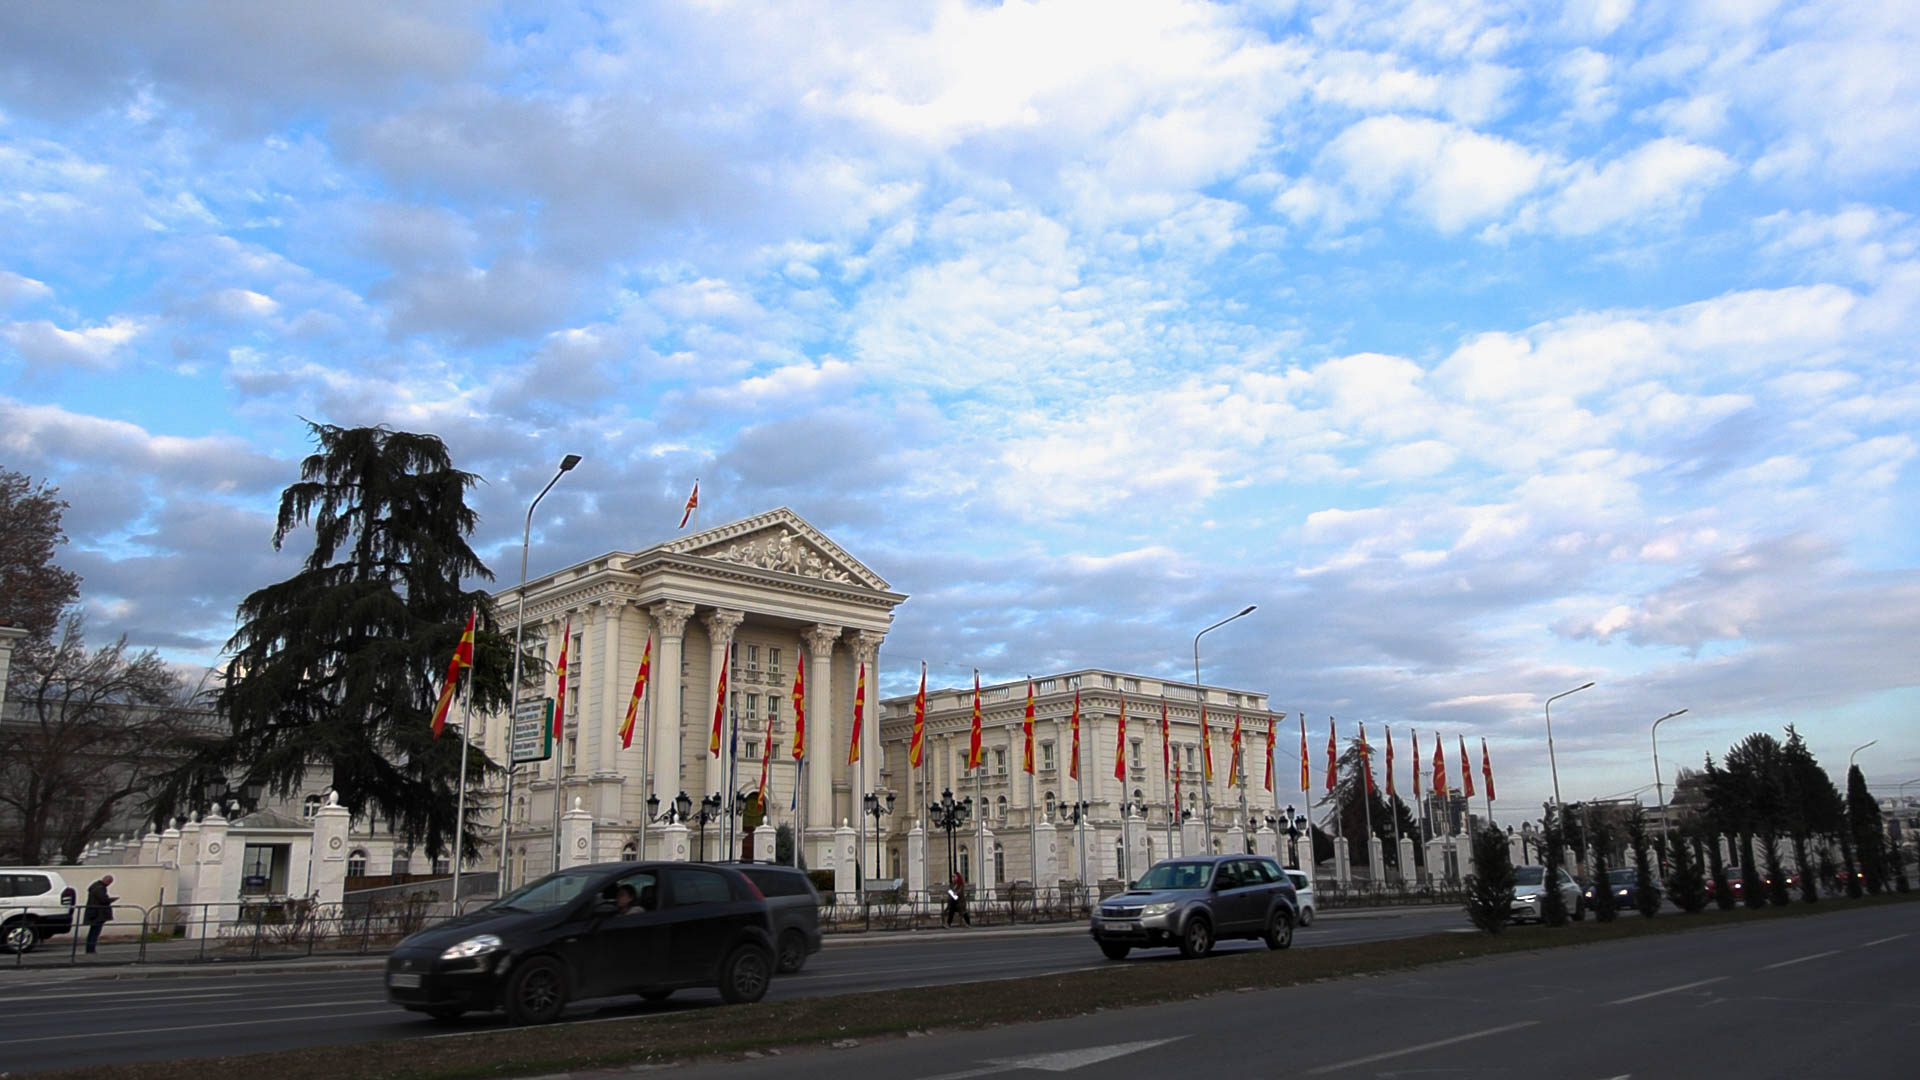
{"x":1049,"y":804}
{"x":402,"y":860}
{"x":1000,"y":809}
{"x":628,"y":853}
{"x":999,"y":862}
{"x":443,"y":865}
{"x":357,"y":863}
{"x":310,"y":807}
{"x":966,"y":866}
{"x":1139,"y":796}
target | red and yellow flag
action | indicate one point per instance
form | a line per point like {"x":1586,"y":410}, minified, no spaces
{"x":560,"y":682}
{"x":1026,"y":726}
{"x":1439,"y":768}
{"x":719,"y":704}
{"x":1120,"y":742}
{"x":1390,"y":792}
{"x":693,"y":503}
{"x":462,"y":658}
{"x":1206,"y":748}
{"x":916,"y":750}
{"x":1333,"y":757}
{"x":1416,"y":764}
{"x":639,"y":687}
{"x":1486,"y":767}
{"x":1073,"y":763}
{"x":973,"y":738}
{"x":1166,"y":741}
{"x":800,"y":710}
{"x":766,"y":758}
{"x":1466,"y":770}
{"x":1306,"y":781}
{"x":859,"y":714}
{"x":1235,"y":765}
{"x":1271,"y":723}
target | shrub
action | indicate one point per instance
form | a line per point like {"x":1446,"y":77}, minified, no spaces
{"x":1689,"y":889}
{"x":1646,"y":893}
{"x":1553,"y":906}
{"x":1490,"y":888}
{"x":1777,"y":891}
{"x":1753,"y":888}
{"x":1722,"y":888}
{"x":1602,"y":888}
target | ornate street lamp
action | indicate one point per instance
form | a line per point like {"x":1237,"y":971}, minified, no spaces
{"x":876,"y":808}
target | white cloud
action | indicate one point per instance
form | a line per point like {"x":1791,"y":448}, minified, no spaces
{"x":1663,"y":178}
{"x":43,"y":344}
{"x":20,"y":289}
{"x":1453,"y":176}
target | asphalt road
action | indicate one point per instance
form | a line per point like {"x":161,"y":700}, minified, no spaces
{"x":49,"y":1021}
{"x":1832,"y":996}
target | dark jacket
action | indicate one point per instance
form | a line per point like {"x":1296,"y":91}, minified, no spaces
{"x":99,"y":904}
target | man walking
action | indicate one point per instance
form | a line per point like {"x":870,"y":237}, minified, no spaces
{"x":99,"y":909}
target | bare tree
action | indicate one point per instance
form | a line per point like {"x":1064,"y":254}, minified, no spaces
{"x":85,"y":737}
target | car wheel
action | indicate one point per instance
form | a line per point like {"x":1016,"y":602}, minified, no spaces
{"x":744,"y":977}
{"x":793,"y":952}
{"x":1197,"y":939}
{"x":1306,"y":916}
{"x":1279,"y":933}
{"x":1115,"y":950}
{"x":18,"y":936}
{"x":655,"y":997}
{"x":537,"y":992}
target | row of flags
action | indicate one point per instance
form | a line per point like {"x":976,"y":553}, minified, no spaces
{"x":916,"y":750}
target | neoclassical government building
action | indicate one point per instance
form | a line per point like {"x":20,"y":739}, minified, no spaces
{"x":774,"y":589}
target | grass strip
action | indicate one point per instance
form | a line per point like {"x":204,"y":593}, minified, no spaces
{"x":653,"y":1038}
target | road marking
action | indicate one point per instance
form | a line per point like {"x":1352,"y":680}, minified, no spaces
{"x":1801,"y":959}
{"x":1882,"y":941}
{"x":1668,"y":990}
{"x":162,"y":988}
{"x":1434,"y":1045}
{"x":189,"y":1027}
{"x":1057,"y":1061}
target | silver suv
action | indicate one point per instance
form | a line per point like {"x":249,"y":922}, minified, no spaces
{"x":34,"y":906}
{"x":1193,"y":902}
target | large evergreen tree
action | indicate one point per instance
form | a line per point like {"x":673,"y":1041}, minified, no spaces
{"x":1868,"y":834}
{"x":1722,"y":888}
{"x":1684,"y":882}
{"x":1351,"y":795}
{"x":338,"y":667}
{"x":1553,"y":906}
{"x":1490,"y":886}
{"x":1602,"y":889}
{"x":1646,"y":891}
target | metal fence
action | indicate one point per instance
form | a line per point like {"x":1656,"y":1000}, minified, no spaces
{"x":1332,"y":894}
{"x":1016,"y":905}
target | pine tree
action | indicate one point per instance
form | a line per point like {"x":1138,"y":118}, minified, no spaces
{"x":1602,"y":902}
{"x":1863,"y":821}
{"x":1490,"y":886}
{"x":1777,"y":892}
{"x":1722,"y":888}
{"x":1829,"y":870}
{"x":1553,"y":906}
{"x":1809,"y":888}
{"x":1753,"y":890}
{"x":1688,"y":888}
{"x":1846,"y":861}
{"x":1646,"y":891}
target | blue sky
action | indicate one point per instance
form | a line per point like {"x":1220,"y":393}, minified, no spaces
{"x":1489,"y":348}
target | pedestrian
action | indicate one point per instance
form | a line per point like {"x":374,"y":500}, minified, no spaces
{"x":99,"y":909}
{"x":957,"y":900}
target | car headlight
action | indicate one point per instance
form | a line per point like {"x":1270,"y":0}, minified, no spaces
{"x":1622,"y":892}
{"x":472,"y":947}
{"x":1158,"y":909}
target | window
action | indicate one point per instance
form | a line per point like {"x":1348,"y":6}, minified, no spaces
{"x":966,"y":867}
{"x":1133,"y":748}
{"x":753,"y":708}
{"x":263,"y":869}
{"x":1073,"y":682}
{"x":443,"y":865}
{"x":686,"y":886}
{"x":999,"y":860}
{"x":310,"y":807}
{"x":1046,"y":757}
{"x":1000,"y":808}
{"x":773,"y":663}
{"x":576,"y":672}
{"x":644,"y":893}
{"x":402,"y":859}
{"x":753,"y":749}
{"x":1049,"y":804}
{"x":1046,"y":686}
{"x":1107,"y":681}
{"x":357,"y":863}
{"x":1132,"y":684}
{"x":999,"y":761}
{"x":753,"y":658}
{"x":773,"y":710}
{"x":629,"y":853}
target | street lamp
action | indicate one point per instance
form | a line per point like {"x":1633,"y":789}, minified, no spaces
{"x":1551,"y":763}
{"x":1200,"y":698}
{"x":710,"y":809}
{"x":519,"y":621}
{"x":1856,"y":750}
{"x":950,"y":815}
{"x":1076,"y":812}
{"x":876,"y":809}
{"x":1659,"y":791}
{"x":1293,"y":836}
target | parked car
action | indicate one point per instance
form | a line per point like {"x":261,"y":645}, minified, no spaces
{"x":1528,"y":894}
{"x":34,"y":906}
{"x":1624,"y":881}
{"x":592,"y":931}
{"x":1193,"y":902}
{"x":1303,"y":895}
{"x":795,"y":904}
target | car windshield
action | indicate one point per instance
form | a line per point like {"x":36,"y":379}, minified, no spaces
{"x":549,"y":892}
{"x":1527,"y":875}
{"x":1177,"y":875}
{"x":1622,"y":877}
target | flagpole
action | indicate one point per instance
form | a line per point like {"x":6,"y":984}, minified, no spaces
{"x":460,"y":801}
{"x":1393,"y":812}
{"x":1366,"y":802}
{"x":646,"y":745}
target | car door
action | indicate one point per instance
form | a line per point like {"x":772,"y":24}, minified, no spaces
{"x":1233,"y":893}
{"x":699,"y":921}
{"x":628,"y":950}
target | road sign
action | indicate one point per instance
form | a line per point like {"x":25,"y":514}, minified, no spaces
{"x":532,"y":731}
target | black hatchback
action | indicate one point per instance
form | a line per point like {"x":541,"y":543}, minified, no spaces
{"x":588,"y":932}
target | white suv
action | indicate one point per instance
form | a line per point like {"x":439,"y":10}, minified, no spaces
{"x":1303,"y":892}
{"x":34,"y":906}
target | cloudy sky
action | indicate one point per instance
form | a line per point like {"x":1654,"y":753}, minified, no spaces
{"x":1489,"y":348}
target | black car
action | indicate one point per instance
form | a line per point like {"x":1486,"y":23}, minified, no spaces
{"x":592,"y":931}
{"x":796,"y":910}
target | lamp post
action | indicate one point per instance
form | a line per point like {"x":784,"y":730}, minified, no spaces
{"x":949,"y":816}
{"x":519,"y":622}
{"x":1076,"y":812}
{"x":1551,"y":763}
{"x":709,"y":811}
{"x":1200,"y":699}
{"x":877,"y":808}
{"x":1660,"y":792}
{"x":1129,"y":809}
{"x":1856,"y":750}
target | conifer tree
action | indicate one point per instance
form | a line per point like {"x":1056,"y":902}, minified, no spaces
{"x":1777,"y":892}
{"x":1553,"y":906}
{"x":1646,"y":891}
{"x":1722,"y":888}
{"x":1490,"y":886}
{"x":1687,"y":887}
{"x":1602,"y":888}
{"x":1753,"y":890}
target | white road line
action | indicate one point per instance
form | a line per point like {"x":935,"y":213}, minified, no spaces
{"x":1434,"y":1045}
{"x":161,"y":991}
{"x":1668,"y":990}
{"x":389,"y":1011}
{"x":1882,"y":941}
{"x":1800,"y":959}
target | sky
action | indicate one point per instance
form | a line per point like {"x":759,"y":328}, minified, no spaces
{"x":1489,"y":349}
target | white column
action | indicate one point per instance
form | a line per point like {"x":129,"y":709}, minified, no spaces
{"x":188,"y":862}
{"x":329,"y":855}
{"x":721,"y":623}
{"x":206,"y":888}
{"x":576,"y":836}
{"x":1047,"y":841}
{"x":613,"y":702}
{"x":1236,"y":840}
{"x":843,"y":864}
{"x":1192,"y":837}
{"x":169,"y":851}
{"x":1464,"y":845}
{"x":1406,"y":859}
{"x":764,"y":843}
{"x":1437,"y":860}
{"x":1376,"y":861}
{"x":1342,"y":861}
{"x":1515,"y":849}
{"x":1267,"y":842}
{"x":820,"y":764}
{"x":917,"y":862}
{"x":665,"y":758}
{"x":673,"y":842}
{"x":1135,"y":831}
{"x":149,"y":848}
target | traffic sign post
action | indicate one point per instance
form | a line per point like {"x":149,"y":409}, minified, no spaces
{"x":532,"y":731}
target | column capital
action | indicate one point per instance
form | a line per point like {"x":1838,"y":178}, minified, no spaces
{"x":672,"y":616}
{"x":865,"y":643}
{"x":722,"y":622}
{"x":820,"y":638}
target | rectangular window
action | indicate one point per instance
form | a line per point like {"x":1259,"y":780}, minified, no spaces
{"x":576,"y":673}
{"x":999,"y":762}
{"x":1046,"y":756}
{"x":753,"y":750}
{"x":753,"y":658}
{"x":773,"y":660}
{"x":1046,"y":686}
{"x":1107,"y":681}
{"x":773,"y":710}
{"x":1133,"y":685}
{"x":753,"y":707}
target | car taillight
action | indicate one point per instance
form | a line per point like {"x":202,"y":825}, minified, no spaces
{"x":757,"y":894}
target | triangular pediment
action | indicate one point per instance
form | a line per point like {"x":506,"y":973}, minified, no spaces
{"x":780,"y":541}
